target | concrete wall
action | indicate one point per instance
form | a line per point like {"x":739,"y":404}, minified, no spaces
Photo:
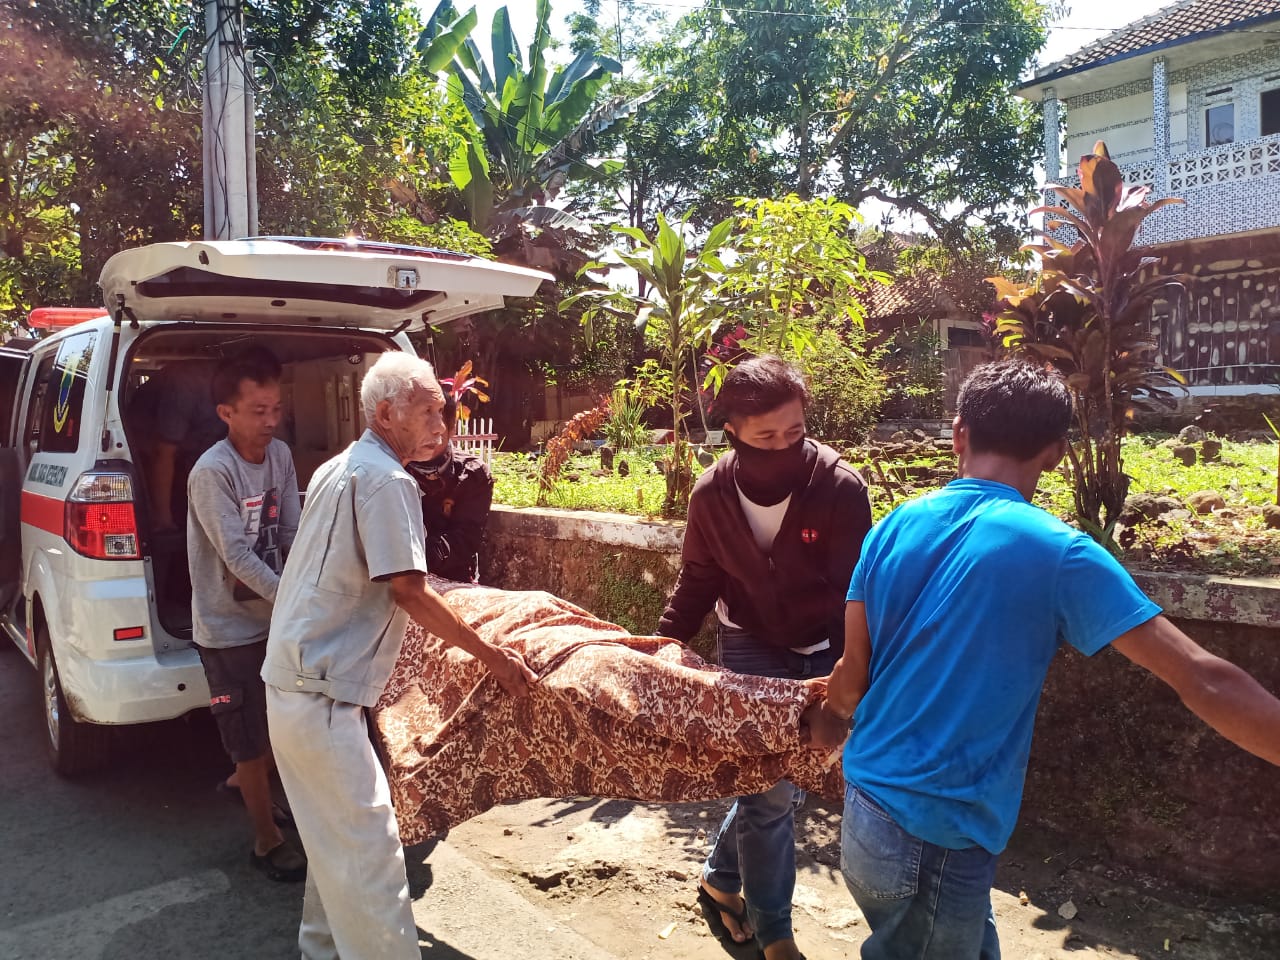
{"x":1125,"y":124}
{"x":1117,"y":761}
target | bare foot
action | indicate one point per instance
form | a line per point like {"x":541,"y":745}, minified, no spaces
{"x":733,"y":912}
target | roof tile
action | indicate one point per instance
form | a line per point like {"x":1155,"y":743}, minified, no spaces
{"x":1178,"y":21}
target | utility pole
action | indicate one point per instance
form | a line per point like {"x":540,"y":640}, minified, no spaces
{"x":230,"y":169}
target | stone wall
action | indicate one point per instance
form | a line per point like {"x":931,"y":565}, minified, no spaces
{"x":1116,"y":761}
{"x":1237,"y":416}
{"x":620,"y":568}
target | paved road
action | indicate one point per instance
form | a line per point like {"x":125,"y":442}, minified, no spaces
{"x":146,"y":861}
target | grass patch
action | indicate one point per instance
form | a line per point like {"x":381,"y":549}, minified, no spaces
{"x":1232,"y":541}
{"x":640,"y":493}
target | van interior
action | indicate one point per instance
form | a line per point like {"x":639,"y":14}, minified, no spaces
{"x":168,"y":369}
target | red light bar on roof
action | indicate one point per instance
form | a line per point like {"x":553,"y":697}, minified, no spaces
{"x":59,"y":318}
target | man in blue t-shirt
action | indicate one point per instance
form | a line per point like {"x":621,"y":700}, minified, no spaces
{"x":958,"y":604}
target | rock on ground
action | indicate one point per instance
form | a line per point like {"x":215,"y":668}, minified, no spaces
{"x":1206,"y":501}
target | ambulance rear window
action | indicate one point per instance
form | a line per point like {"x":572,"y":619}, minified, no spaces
{"x":63,"y":399}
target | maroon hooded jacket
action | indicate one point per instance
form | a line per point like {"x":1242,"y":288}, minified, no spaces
{"x":792,"y":596}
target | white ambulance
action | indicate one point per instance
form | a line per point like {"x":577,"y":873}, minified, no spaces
{"x":93,"y":584}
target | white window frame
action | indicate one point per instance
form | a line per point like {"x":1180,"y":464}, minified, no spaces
{"x":1225,"y":98}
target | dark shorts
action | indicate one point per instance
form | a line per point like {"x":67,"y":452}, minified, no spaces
{"x":238,"y":698}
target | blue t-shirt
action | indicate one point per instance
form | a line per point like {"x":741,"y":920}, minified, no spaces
{"x":969,"y":592}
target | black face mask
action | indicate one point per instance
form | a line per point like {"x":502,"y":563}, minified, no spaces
{"x":430,"y":469}
{"x":768,"y":477}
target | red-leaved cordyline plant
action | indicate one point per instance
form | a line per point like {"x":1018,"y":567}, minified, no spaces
{"x":463,"y":383}
{"x":1088,"y":315}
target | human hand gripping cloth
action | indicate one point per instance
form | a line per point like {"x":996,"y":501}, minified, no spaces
{"x":612,"y":716}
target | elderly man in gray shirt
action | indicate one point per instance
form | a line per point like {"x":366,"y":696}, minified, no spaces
{"x":354,"y":578}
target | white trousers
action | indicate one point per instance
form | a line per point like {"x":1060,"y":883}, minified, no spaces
{"x":356,"y":905}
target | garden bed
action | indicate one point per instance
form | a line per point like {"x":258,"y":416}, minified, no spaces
{"x":1231,"y":537}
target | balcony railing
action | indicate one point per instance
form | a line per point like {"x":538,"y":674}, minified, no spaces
{"x":1231,"y":162}
{"x":1228,"y":189}
{"x":1249,"y":160}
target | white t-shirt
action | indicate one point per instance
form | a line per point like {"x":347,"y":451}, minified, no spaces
{"x":765,"y":523}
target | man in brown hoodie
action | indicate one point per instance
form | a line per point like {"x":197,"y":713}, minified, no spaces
{"x":775,"y":529}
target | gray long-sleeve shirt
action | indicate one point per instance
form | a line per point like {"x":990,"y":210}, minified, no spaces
{"x":242,"y":518}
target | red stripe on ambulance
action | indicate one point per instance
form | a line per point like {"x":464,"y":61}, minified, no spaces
{"x":47,"y":513}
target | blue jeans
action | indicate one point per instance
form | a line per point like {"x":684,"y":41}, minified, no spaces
{"x":921,"y":901}
{"x":755,"y":849}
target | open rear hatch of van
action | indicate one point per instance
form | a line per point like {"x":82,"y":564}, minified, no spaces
{"x":310,"y":282}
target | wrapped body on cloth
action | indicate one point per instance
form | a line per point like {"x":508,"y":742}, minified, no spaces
{"x":612,"y":716}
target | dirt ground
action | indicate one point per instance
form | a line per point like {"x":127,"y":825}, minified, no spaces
{"x":623,"y":875}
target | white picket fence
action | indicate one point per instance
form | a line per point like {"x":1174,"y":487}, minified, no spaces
{"x":475,"y":435}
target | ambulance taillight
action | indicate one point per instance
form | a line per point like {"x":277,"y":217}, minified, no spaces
{"x":101,"y":522}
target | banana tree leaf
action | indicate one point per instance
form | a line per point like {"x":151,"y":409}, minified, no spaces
{"x":443,"y":47}
{"x":444,"y":14}
{"x":470,"y":57}
{"x":585,"y":63}
{"x":586,"y":170}
{"x":544,"y":218}
{"x":535,"y":139}
{"x":506,"y":51}
{"x":542,"y":32}
{"x":579,"y":140}
{"x":469,"y":171}
{"x":574,"y":100}
{"x":461,"y":90}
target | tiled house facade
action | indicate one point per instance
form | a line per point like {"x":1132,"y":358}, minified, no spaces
{"x":1188,"y":102}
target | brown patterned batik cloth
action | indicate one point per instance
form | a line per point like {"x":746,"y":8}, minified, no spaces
{"x":612,"y":716}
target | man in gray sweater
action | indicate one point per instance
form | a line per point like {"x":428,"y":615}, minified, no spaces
{"x":242,"y":517}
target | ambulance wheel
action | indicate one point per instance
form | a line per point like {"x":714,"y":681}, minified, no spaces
{"x":74,"y":748}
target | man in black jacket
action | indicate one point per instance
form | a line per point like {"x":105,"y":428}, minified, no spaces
{"x":774,"y":532}
{"x":457,"y":492}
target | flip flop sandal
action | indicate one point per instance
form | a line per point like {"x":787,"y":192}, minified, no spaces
{"x":281,"y":863}
{"x":712,"y":910}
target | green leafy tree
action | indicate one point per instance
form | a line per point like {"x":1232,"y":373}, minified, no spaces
{"x":678,"y":313}
{"x":846,"y":385}
{"x":91,"y":158}
{"x":100,"y":140}
{"x":908,"y":102}
{"x":1087,"y":315}
{"x":658,"y":145}
{"x":796,"y":269}
{"x":353,"y":132}
{"x":522,"y":130}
